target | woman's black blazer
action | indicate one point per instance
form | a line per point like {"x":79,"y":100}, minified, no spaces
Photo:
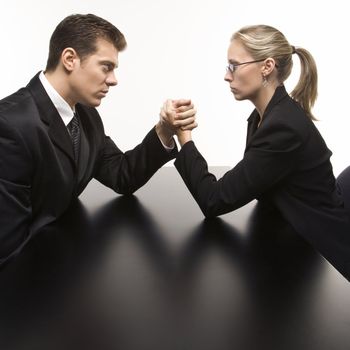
{"x":286,"y":163}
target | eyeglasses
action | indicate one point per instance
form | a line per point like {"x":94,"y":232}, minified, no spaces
{"x":233,"y":66}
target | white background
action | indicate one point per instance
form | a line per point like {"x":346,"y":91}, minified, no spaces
{"x":178,"y":49}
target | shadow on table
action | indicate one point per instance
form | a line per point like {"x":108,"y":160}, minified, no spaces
{"x":50,"y":293}
{"x":268,"y":251}
{"x":112,"y":280}
{"x":256,"y":282}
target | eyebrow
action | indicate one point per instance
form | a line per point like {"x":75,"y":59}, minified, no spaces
{"x":109,"y":63}
{"x":233,"y":61}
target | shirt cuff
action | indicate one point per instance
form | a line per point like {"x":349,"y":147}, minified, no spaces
{"x":167,"y":148}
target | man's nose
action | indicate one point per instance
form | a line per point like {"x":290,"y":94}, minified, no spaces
{"x":111,"y":79}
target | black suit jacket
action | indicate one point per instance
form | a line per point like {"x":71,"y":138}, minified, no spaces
{"x":286,"y":164}
{"x":38,"y":174}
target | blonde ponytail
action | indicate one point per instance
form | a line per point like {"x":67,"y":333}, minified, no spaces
{"x":305,"y":92}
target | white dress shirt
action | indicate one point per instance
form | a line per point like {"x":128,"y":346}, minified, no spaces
{"x":63,"y":108}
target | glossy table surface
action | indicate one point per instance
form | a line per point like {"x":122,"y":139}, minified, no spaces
{"x":148,"y":272}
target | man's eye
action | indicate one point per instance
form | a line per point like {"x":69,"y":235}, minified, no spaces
{"x":107,"y":67}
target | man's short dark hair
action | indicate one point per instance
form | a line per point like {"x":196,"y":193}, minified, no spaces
{"x":81,"y":32}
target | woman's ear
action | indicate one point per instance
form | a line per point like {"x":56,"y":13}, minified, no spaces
{"x":69,"y":58}
{"x":268,"y":66}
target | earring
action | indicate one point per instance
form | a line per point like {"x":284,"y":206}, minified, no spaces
{"x":264,"y":82}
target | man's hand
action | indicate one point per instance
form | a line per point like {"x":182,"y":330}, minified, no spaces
{"x":176,"y":116}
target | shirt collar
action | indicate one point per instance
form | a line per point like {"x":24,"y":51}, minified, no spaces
{"x":63,"y":108}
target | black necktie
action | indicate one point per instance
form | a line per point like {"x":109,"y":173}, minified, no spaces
{"x":74,"y":131}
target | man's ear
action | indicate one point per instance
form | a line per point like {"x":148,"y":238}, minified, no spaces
{"x":268,"y":66}
{"x":69,"y":58}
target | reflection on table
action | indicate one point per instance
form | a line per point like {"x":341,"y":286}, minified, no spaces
{"x":148,"y":272}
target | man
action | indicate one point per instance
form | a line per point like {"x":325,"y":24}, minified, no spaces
{"x":52,"y":141}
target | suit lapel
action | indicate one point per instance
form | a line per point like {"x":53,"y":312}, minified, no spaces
{"x":84,"y":153}
{"x":253,"y":121}
{"x":48,"y":113}
{"x":254,"y":118}
{"x":88,"y":147}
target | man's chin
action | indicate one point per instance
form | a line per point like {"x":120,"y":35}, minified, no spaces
{"x":238,"y":97}
{"x":94,"y":103}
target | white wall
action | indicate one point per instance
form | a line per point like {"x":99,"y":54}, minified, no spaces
{"x":178,"y":49}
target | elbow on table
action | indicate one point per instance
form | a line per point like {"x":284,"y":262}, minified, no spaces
{"x":209,"y":211}
{"x":127,"y":188}
{"x":214,"y":208}
{"x":127,"y":191}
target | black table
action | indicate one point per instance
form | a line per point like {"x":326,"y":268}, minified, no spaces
{"x":148,"y":272}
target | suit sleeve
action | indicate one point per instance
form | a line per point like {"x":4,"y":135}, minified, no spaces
{"x":126,"y":172}
{"x":268,"y":160}
{"x":15,"y":190}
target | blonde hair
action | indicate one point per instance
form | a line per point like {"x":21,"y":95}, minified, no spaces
{"x":262,"y":41}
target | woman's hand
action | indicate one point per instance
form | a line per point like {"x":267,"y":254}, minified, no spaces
{"x":178,"y":117}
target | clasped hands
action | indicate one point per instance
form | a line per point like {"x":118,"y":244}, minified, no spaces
{"x":177,"y":117}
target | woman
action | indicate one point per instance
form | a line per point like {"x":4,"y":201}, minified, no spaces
{"x":286,"y":162}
